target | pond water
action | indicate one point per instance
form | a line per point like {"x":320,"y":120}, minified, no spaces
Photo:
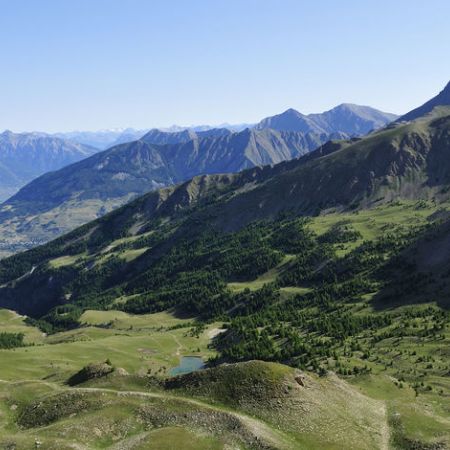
{"x":188,"y":364}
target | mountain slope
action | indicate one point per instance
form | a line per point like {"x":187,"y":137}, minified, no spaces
{"x":41,"y":212}
{"x":59,"y":201}
{"x":409,"y":162}
{"x":25,"y":156}
{"x":442,"y":99}
{"x":351,"y":238}
{"x":353,"y":120}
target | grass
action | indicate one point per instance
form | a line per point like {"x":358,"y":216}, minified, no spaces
{"x":269,"y":277}
{"x":97,"y":417}
{"x":59,"y":417}
{"x":372,"y":223}
{"x":63,"y":261}
{"x":136,"y":343}
{"x":174,"y":438}
{"x":306,"y":411}
{"x":422,"y":418}
{"x":122,"y":320}
{"x":129,"y":255}
{"x":11,"y":322}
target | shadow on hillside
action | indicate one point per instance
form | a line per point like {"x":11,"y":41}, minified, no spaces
{"x":420,"y":273}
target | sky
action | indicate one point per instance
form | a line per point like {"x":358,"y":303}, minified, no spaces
{"x":96,"y":64}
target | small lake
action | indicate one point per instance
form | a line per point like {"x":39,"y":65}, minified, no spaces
{"x":188,"y":364}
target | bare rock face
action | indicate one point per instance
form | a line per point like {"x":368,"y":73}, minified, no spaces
{"x":300,"y":380}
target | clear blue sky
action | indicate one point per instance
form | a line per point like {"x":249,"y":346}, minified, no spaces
{"x":90,"y":64}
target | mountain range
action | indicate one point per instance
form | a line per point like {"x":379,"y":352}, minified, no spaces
{"x":354,"y":120}
{"x":59,"y":201}
{"x":345,"y":118}
{"x":102,"y":139}
{"x":26,"y":156}
{"x":406,"y":161}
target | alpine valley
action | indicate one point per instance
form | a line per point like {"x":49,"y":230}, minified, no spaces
{"x":281,"y":287}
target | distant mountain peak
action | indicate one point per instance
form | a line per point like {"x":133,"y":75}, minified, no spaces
{"x":347,"y":118}
{"x":292,"y":111}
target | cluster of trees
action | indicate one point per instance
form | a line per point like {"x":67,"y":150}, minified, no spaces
{"x":299,"y":335}
{"x":190,"y":292}
{"x":11,"y":340}
{"x":192,"y":275}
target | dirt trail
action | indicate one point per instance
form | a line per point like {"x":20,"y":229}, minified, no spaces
{"x":180,"y":346}
{"x":385,"y":433}
{"x":260,"y":429}
{"x":49,"y":384}
{"x":257,"y":427}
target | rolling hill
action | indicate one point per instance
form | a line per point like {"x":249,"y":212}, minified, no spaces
{"x":26,"y":156}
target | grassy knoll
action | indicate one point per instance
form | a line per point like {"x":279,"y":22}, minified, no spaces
{"x":63,"y":418}
{"x":385,"y":405}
